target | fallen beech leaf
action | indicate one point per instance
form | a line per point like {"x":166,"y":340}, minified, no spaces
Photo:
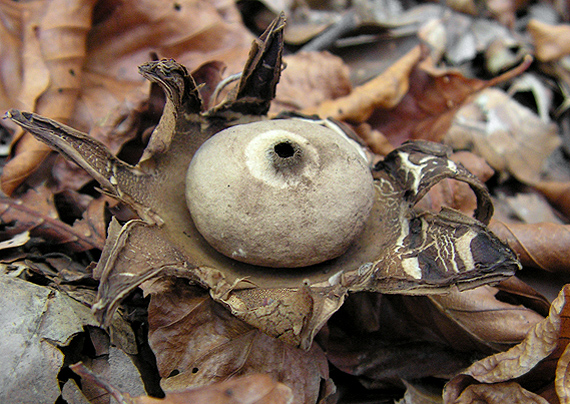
{"x":498,"y":393}
{"x":309,"y":79}
{"x":429,"y":107}
{"x":36,"y":213}
{"x":384,"y":91}
{"x":196,"y":342}
{"x":510,"y":137}
{"x":250,"y":389}
{"x":486,"y":319}
{"x":550,"y":41}
{"x":539,"y":245}
{"x":58,"y":42}
{"x":536,"y":356}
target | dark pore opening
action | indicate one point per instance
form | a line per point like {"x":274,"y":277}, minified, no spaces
{"x":284,"y":150}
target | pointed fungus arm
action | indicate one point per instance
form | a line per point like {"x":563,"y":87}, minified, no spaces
{"x":177,"y":84}
{"x":115,"y":176}
{"x":260,"y":75}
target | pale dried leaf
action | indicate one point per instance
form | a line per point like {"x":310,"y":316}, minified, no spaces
{"x":562,"y":381}
{"x":550,"y":41}
{"x":510,"y":137}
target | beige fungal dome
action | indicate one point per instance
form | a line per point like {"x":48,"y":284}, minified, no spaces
{"x":281,"y":193}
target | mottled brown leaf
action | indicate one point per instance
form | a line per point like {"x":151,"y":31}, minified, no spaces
{"x":197,"y":342}
{"x":485,"y":318}
{"x":538,"y":245}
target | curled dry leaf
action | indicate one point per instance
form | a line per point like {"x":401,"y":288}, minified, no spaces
{"x":510,"y":137}
{"x":539,"y":245}
{"x":196,"y":342}
{"x":537,"y":356}
{"x":550,"y":41}
{"x":35,"y":212}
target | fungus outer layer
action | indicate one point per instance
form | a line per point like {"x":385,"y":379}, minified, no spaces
{"x":281,"y":193}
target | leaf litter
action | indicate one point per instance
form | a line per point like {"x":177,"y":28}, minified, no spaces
{"x":491,"y":343}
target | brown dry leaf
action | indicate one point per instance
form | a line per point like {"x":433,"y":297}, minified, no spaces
{"x":539,"y":245}
{"x":498,"y":393}
{"x":550,"y":41}
{"x":309,"y":79}
{"x":435,"y":95}
{"x":250,"y":389}
{"x":35,"y":212}
{"x":508,"y":135}
{"x":535,"y":357}
{"x":196,"y":342}
{"x":384,"y":91}
{"x":485,"y":318}
{"x":557,"y":193}
{"x":54,"y":46}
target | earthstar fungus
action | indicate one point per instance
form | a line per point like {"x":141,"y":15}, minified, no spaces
{"x":396,"y":249}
